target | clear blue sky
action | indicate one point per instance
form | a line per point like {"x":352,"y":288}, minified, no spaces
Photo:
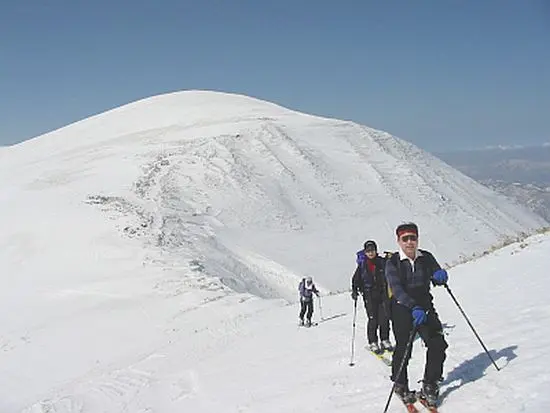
{"x":441,"y":74}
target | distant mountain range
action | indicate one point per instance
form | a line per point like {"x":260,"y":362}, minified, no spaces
{"x":521,"y":173}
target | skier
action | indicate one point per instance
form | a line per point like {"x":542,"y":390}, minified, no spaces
{"x":307,"y":289}
{"x":369,"y":280}
{"x":409,"y":273}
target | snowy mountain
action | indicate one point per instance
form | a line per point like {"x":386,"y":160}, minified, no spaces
{"x":138,"y":247}
{"x":528,"y":165}
{"x":536,"y":198}
{"x":207,"y":178}
{"x":522,"y":174}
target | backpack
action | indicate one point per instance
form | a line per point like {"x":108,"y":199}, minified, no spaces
{"x":360,"y":257}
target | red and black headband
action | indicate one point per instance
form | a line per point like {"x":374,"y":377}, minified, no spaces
{"x":406,"y":229}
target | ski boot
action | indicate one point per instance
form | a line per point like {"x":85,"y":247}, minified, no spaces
{"x":308,"y":322}
{"x":375,"y":348}
{"x":429,"y":394}
{"x":402,"y":391}
{"x":386,"y":345}
{"x":301,"y":322}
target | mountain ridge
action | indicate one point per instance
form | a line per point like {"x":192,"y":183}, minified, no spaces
{"x":212,"y":179}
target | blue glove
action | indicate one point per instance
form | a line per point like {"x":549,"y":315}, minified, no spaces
{"x":440,"y":277}
{"x":419,"y":316}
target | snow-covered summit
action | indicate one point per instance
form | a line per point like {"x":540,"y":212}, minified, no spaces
{"x":185,"y":109}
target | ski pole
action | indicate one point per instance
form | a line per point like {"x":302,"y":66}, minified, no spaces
{"x":320,"y":308}
{"x":401,"y":366}
{"x":351,"y":363}
{"x":471,"y":326}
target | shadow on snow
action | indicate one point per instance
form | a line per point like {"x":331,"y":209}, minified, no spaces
{"x":473,"y":369}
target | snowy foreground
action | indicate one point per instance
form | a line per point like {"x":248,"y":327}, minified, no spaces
{"x":150,"y":255}
{"x":251,"y":357}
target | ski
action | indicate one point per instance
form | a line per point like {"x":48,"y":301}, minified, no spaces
{"x":411,"y":408}
{"x":380,"y":356}
{"x":384,"y":360}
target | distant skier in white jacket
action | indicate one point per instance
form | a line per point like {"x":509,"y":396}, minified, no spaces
{"x":307,"y":289}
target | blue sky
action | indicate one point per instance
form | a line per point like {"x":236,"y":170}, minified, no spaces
{"x":441,"y":74}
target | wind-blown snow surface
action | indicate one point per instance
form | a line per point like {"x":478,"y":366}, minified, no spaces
{"x":216,"y":358}
{"x":137,"y":248}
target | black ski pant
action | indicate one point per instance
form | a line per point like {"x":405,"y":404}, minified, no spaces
{"x":306,"y":306}
{"x":431,"y":334}
{"x":377,"y":313}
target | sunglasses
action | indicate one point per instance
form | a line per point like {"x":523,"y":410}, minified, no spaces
{"x":408,"y":238}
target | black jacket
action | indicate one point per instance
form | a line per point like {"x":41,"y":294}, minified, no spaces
{"x":408,"y":287}
{"x":370,"y":284}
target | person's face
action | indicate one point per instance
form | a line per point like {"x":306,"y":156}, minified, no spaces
{"x":408,"y":242}
{"x":371,"y":253}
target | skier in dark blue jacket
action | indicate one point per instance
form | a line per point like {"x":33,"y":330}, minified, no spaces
{"x":307,"y":288}
{"x":409,"y":273}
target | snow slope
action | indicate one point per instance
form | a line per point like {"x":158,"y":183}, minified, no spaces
{"x":257,"y":360}
{"x":141,"y":244}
